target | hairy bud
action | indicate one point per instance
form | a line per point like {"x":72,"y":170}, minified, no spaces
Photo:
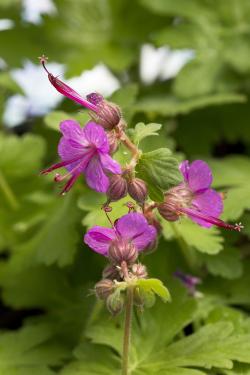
{"x":137,"y":189}
{"x":104,"y":288}
{"x":115,"y":303}
{"x":121,"y":250}
{"x":139,"y":270}
{"x":108,"y":114}
{"x":111,"y":272}
{"x":117,"y":188}
{"x":167,"y":211}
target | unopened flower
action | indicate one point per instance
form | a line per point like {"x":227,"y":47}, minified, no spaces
{"x":104,"y":288}
{"x":117,"y":188}
{"x":84,"y":151}
{"x":104,"y":113}
{"x":195,"y":198}
{"x":139,"y":270}
{"x":137,"y":189}
{"x":189,"y":281}
{"x":122,"y":251}
{"x":131,"y":229}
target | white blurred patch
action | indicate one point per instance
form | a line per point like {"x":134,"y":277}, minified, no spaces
{"x":6,"y":24}
{"x":162,"y":63}
{"x":39,"y":96}
{"x":33,"y":10}
{"x":16,"y":110}
{"x":99,"y":79}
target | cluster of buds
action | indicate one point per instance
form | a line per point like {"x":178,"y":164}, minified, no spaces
{"x":111,"y":291}
{"x":121,"y":185}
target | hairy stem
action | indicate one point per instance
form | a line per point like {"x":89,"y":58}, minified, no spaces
{"x":132,"y":148}
{"x":127,"y":330}
{"x":7,"y":191}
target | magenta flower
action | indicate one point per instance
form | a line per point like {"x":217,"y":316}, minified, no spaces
{"x":84,"y":151}
{"x":132,"y":228}
{"x":195,"y":198}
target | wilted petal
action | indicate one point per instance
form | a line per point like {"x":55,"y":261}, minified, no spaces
{"x":96,"y":136}
{"x":109,"y":164}
{"x":135,"y":227}
{"x":210,"y":203}
{"x":95,"y":177}
{"x":99,"y":239}
{"x":199,"y":176}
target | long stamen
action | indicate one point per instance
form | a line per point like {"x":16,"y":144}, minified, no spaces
{"x":61,"y":164}
{"x":66,"y":90}
{"x":59,"y":178}
{"x":210,"y":219}
{"x":69,"y":184}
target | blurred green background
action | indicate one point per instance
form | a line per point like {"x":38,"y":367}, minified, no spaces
{"x":182,"y":63}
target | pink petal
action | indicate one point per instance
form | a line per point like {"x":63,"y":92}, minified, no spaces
{"x":95,"y":177}
{"x":209,"y":203}
{"x":68,"y":152}
{"x":72,"y":130}
{"x":109,"y":164}
{"x":135,"y":227}
{"x":99,"y":239}
{"x":199,"y":176}
{"x":146,"y":238}
{"x":96,"y":136}
{"x":184,"y":168}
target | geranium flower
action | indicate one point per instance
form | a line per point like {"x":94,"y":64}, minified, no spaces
{"x":84,"y":151}
{"x":195,"y":198}
{"x":132,"y":228}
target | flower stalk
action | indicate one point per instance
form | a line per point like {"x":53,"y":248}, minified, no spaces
{"x":127,"y":330}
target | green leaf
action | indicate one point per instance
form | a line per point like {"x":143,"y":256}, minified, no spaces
{"x":142,"y":131}
{"x":56,"y":240}
{"x":225,"y":264}
{"x":29,"y":351}
{"x":205,"y":240}
{"x":16,"y":160}
{"x":156,"y":286}
{"x":159,"y":168}
{"x":171,"y":106}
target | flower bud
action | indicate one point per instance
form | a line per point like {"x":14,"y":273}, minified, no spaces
{"x":104,"y":288}
{"x":108,"y":114}
{"x":137,"y":189}
{"x":117,"y":188}
{"x":115,"y":303}
{"x":111,"y":272}
{"x":167,"y":211}
{"x":139,"y":270}
{"x":121,"y":250}
{"x":113,"y":141}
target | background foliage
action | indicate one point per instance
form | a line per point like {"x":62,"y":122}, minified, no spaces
{"x":49,"y":321}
